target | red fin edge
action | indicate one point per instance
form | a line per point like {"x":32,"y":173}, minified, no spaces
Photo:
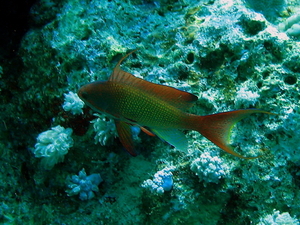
{"x":217,"y":127}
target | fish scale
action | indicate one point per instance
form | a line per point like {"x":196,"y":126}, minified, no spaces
{"x":148,"y":110}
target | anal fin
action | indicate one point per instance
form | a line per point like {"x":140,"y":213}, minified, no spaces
{"x":173,"y":137}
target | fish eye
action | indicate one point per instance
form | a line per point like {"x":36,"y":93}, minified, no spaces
{"x":83,"y":94}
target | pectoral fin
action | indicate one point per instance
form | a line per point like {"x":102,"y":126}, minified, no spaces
{"x":173,"y":137}
{"x":125,"y":136}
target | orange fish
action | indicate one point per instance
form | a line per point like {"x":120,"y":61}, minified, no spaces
{"x":157,"y":109}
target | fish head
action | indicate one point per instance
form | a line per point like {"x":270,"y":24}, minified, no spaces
{"x":94,"y":94}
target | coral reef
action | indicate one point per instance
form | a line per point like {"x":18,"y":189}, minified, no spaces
{"x":231,"y":54}
{"x":209,"y":168}
{"x":52,"y":145}
{"x":84,"y":185}
{"x":245,"y":97}
{"x":73,"y":103}
{"x":269,"y":8}
{"x":163,"y":181}
{"x":291,"y":25}
{"x":278,"y":218}
{"x":105,"y":129}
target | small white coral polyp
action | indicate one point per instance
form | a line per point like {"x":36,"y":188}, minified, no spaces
{"x":105,"y":129}
{"x":209,"y":168}
{"x":52,"y":145}
{"x":162,"y":182}
{"x":73,"y":103}
{"x":246,"y":98}
{"x":278,"y":218}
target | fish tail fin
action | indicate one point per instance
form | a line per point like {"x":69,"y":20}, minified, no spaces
{"x":217,"y":127}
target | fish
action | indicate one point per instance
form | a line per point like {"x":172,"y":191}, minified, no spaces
{"x":159,"y":110}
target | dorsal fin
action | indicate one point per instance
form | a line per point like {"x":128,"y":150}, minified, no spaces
{"x":173,"y":96}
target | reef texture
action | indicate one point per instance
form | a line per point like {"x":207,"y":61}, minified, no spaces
{"x":230,"y":53}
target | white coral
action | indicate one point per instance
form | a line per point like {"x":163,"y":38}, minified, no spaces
{"x":209,"y":168}
{"x":73,"y":103}
{"x":291,"y":26}
{"x":246,"y":98}
{"x":278,"y":218}
{"x":52,"y":145}
{"x":105,"y":129}
{"x":163,"y":181}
